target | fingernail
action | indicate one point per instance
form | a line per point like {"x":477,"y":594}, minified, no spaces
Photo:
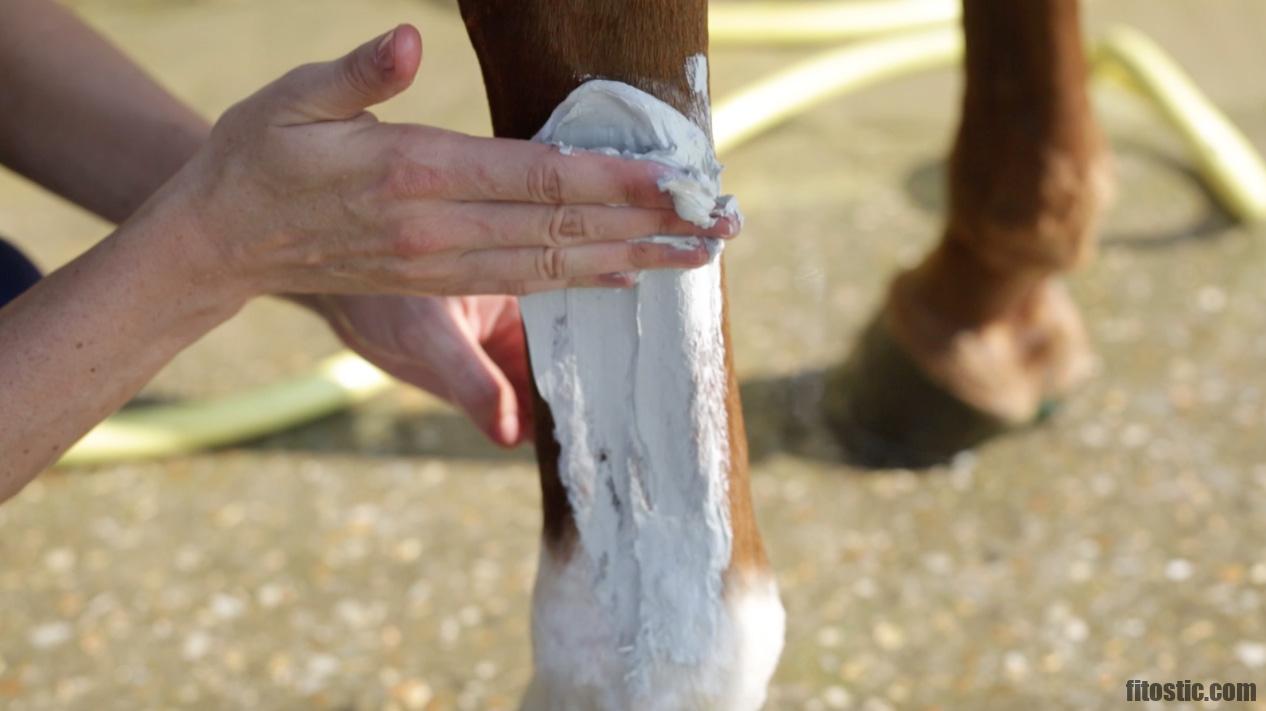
{"x":725,"y":227}
{"x":384,"y":57}
{"x":695,"y":257}
{"x":618,"y":280}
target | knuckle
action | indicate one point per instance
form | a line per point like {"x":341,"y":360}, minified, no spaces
{"x":418,"y":272}
{"x":633,"y":193}
{"x":642,"y":254}
{"x":414,"y":240}
{"x":668,"y":223}
{"x":638,"y":189}
{"x":357,"y":75}
{"x":551,"y":263}
{"x":566,"y":224}
{"x":246,"y":122}
{"x":406,"y":179}
{"x":484,"y":180}
{"x":545,"y":181}
{"x":237,"y":115}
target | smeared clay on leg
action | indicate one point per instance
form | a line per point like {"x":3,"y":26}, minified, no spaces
{"x":642,"y":612}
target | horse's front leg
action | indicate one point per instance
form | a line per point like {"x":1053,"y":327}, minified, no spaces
{"x":653,"y":590}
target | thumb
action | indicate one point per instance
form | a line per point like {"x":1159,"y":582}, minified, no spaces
{"x":343,"y":88}
{"x":488,"y":398}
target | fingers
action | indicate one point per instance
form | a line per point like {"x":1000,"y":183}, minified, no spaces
{"x":343,"y":88}
{"x":600,"y":261}
{"x":487,"y":225}
{"x":508,"y":170}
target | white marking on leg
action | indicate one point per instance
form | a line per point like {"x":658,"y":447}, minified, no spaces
{"x":580,"y":665}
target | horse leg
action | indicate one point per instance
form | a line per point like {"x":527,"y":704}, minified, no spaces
{"x":653,"y":590}
{"x":981,"y":334}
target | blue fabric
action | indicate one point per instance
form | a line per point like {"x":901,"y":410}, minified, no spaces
{"x":17,"y":273}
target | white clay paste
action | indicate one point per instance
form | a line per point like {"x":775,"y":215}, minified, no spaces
{"x":636,"y":381}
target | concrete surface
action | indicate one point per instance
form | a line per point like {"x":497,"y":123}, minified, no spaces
{"x":383,"y":558}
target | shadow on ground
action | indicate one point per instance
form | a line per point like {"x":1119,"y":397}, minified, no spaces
{"x":782,"y":415}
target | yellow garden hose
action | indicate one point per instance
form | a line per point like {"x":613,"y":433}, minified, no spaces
{"x":1227,"y":161}
{"x":156,"y":431}
{"x":800,"y":87}
{"x":801,"y":22}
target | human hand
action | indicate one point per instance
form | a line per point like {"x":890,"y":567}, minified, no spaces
{"x":300,"y":190}
{"x":469,"y":351}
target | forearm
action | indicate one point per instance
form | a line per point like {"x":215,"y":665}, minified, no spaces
{"x":82,"y":119}
{"x":83,"y":341}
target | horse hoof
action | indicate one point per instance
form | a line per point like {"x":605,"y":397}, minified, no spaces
{"x":887,"y":412}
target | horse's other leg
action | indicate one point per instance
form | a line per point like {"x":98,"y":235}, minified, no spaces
{"x":981,"y":335}
{"x":671,"y":604}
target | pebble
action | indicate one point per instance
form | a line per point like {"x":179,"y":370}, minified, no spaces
{"x":317,"y":671}
{"x":196,"y":646}
{"x":1016,"y":665}
{"x":1178,"y":570}
{"x":413,"y":694}
{"x":1197,"y":631}
{"x":1076,"y":629}
{"x":1211,"y":299}
{"x":1258,"y":574}
{"x":1251,"y":654}
{"x":486,"y":669}
{"x":450,"y":630}
{"x":408,"y":550}
{"x":270,"y":595}
{"x":227,"y":607}
{"x":470,"y":615}
{"x":829,"y":637}
{"x":837,"y":697}
{"x":50,"y":634}
{"x":888,"y":636}
{"x":865,"y":588}
{"x":60,"y":560}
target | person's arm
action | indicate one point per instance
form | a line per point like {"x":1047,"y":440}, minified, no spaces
{"x":93,"y":127}
{"x":81,"y":342}
{"x":79,"y":118}
{"x":300,"y":190}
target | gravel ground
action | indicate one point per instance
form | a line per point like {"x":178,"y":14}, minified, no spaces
{"x":383,"y":558}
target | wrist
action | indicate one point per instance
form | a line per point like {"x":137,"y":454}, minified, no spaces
{"x":176,"y":234}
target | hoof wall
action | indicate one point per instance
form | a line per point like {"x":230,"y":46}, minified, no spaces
{"x":887,"y":413}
